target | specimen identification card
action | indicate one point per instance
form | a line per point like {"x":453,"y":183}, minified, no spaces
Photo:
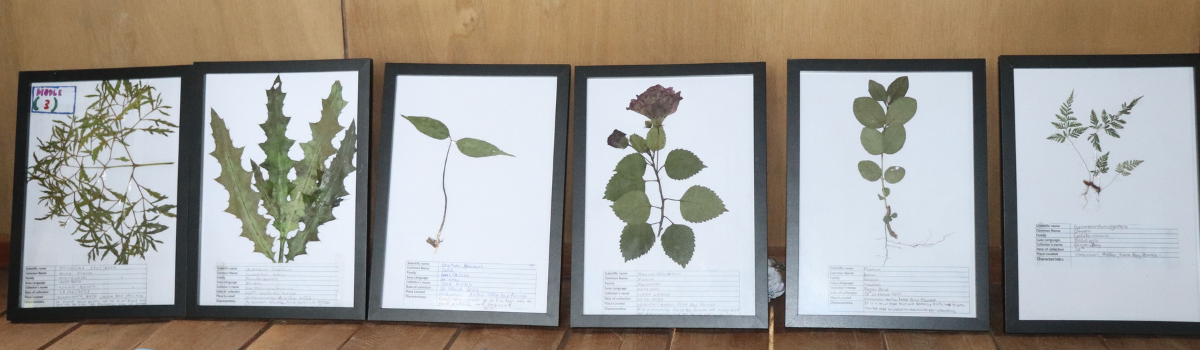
{"x":278,"y":190}
{"x":887,"y":194}
{"x":470,"y":197}
{"x":101,"y":199}
{"x":1107,"y":194}
{"x":670,"y":196}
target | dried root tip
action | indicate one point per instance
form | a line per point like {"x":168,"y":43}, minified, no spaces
{"x":433,"y":242}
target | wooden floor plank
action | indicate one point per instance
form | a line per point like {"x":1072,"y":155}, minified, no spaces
{"x":623,"y":339}
{"x":305,"y":335}
{"x":18,"y":336}
{"x":508,"y":337}
{"x":730,"y":339}
{"x":108,"y":336}
{"x":828,"y":339}
{"x":400,"y":336}
{"x":903,"y":340}
{"x":183,"y":334}
{"x":1150,"y":343}
{"x":1060,"y":342}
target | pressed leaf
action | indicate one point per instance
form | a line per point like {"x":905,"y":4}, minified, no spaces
{"x":869,"y":170}
{"x":893,"y":139}
{"x":632,"y":207}
{"x":886,"y":192}
{"x":278,"y":164}
{"x":430,"y":127}
{"x":868,"y":112}
{"x":636,"y":239}
{"x":243,"y":201}
{"x":877,"y":91}
{"x":477,"y":148}
{"x":872,"y":140}
{"x":893,"y":175}
{"x":632,"y":165}
{"x":682,"y":164}
{"x":656,"y":138}
{"x":700,"y":204}
{"x":901,"y":111}
{"x":1126,"y":168}
{"x":620,"y":184}
{"x":897,"y":88}
{"x":679,"y":242}
{"x":638,"y":143}
{"x":329,"y":194}
{"x":320,"y":148}
{"x":618,"y":140}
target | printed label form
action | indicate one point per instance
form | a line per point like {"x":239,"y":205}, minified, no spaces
{"x":1067,"y":244}
{"x":898,"y":290}
{"x":278,"y":285}
{"x":470,"y":286}
{"x":83,"y":285}
{"x":642,"y":292}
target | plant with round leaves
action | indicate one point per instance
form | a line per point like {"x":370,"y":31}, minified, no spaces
{"x":474,"y":148}
{"x":883,"y":115}
{"x":1069,"y":128}
{"x":82,"y":170}
{"x":627,"y":187}
{"x":309,"y":199}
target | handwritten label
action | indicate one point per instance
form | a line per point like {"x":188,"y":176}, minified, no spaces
{"x":470,"y":286}
{"x":83,"y":285}
{"x":292,"y":284}
{"x":1069,"y":244}
{"x":53,"y":100}
{"x":645,"y":292}
{"x":893,"y":290}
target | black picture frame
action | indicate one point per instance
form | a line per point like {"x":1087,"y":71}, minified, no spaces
{"x":979,"y":132}
{"x":1012,"y":319}
{"x":383,"y":186}
{"x":20,"y":177}
{"x":760,"y":318}
{"x":194,"y":141}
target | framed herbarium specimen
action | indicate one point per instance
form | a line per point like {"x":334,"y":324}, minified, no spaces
{"x":670,"y":196}
{"x":470,"y":201}
{"x":1101,"y":204}
{"x":887,"y":194}
{"x":280,"y":181}
{"x":95,"y":196}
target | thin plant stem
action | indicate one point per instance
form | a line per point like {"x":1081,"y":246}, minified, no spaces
{"x":445,"y":197}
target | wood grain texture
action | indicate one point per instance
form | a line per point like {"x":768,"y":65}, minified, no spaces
{"x":203,"y":335}
{"x":304,"y":335}
{"x":931,"y":340}
{"x":107,"y":336}
{"x":508,"y":337}
{"x":1150,"y":343}
{"x":729,"y":339}
{"x":18,"y":336}
{"x":1062,"y":342}
{"x":622,"y":339}
{"x":400,"y":336}
{"x":828,"y":339}
{"x":125,"y":33}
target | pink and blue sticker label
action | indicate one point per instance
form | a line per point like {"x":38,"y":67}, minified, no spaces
{"x":53,"y":100}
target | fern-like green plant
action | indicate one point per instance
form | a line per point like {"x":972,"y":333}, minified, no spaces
{"x":627,"y":188}
{"x":1069,"y":128}
{"x":474,"y":148}
{"x":111,"y":216}
{"x":306,"y":200}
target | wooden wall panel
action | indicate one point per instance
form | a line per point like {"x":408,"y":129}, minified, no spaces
{"x":78,"y":34}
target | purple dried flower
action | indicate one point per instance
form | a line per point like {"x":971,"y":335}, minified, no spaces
{"x":656,"y":103}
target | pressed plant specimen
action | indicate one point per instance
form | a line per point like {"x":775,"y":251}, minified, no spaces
{"x":82,"y":172}
{"x":474,"y":148}
{"x":1070,"y":129}
{"x":301,"y":204}
{"x":627,"y":187}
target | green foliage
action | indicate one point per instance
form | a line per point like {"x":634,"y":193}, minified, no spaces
{"x":627,"y":187}
{"x":1069,"y":128}
{"x":309,"y":199}
{"x":883,"y":133}
{"x":111,"y":215}
{"x":470,"y":147}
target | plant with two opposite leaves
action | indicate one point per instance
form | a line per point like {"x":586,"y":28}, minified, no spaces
{"x":77,"y":166}
{"x":1070,"y":129}
{"x":627,"y":187}
{"x":474,"y":148}
{"x":301,"y":204}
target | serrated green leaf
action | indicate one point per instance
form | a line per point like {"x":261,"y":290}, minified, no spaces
{"x":868,"y":112}
{"x":636,"y":239}
{"x":320,"y":148}
{"x":893,"y":139}
{"x":476,"y":148}
{"x":1095,"y":140}
{"x":243,"y":201}
{"x":679,"y":242}
{"x":700,"y":204}
{"x":329,"y":194}
{"x":632,"y":207}
{"x":869,"y":170}
{"x":893,"y":175}
{"x":1126,"y":168}
{"x":877,"y":91}
{"x":901,"y":111}
{"x":682,"y":164}
{"x":656,"y":138}
{"x":430,"y":127}
{"x":1102,"y":163}
{"x":638,"y":143}
{"x":278,"y":164}
{"x":620,"y":184}
{"x":872,"y":140}
{"x":897,"y":88}
{"x":633,"y":165}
